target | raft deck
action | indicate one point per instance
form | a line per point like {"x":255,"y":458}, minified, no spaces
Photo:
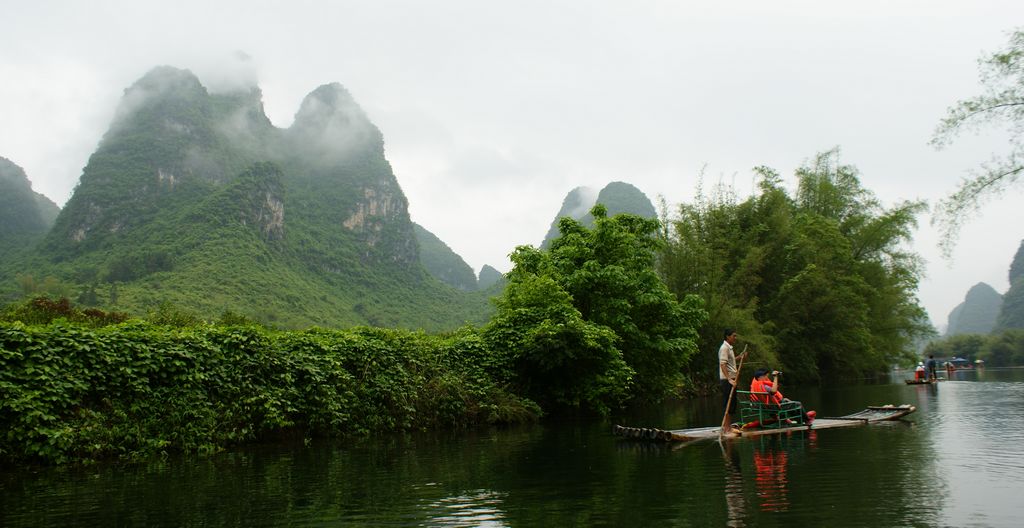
{"x":868,"y":415}
{"x":923,"y":382}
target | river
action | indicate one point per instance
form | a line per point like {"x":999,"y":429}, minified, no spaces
{"x":958,"y":461}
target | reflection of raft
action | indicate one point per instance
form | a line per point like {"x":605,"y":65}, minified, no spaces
{"x":871,"y":414}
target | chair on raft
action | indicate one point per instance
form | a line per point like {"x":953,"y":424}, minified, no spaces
{"x":755,"y":413}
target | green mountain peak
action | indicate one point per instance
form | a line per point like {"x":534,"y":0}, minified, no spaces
{"x":195,"y":197}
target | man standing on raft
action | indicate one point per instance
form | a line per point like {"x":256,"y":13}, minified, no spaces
{"x":727,"y":376}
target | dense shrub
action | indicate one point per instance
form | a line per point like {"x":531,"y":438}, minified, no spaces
{"x":44,"y":310}
{"x":70,"y":392}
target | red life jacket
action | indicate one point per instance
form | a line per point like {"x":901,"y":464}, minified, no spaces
{"x":757,"y":385}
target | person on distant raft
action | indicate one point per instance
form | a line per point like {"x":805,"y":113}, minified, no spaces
{"x":727,"y":374}
{"x":919,"y":374}
{"x":930,"y":366}
{"x":774,"y":396}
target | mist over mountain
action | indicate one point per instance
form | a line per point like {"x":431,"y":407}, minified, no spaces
{"x":617,"y":197}
{"x":25,"y":215}
{"x":1011,"y":315}
{"x":978,"y":313}
{"x":195,"y":198}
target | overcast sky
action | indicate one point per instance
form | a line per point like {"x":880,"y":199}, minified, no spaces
{"x":493,"y":111}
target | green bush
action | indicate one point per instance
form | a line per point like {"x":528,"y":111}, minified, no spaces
{"x":69,"y":392}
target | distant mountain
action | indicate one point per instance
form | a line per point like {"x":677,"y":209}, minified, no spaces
{"x":618,"y":197}
{"x":444,"y":264}
{"x":25,"y":215}
{"x":1012,"y":313}
{"x":489,"y":277}
{"x":978,"y":313}
{"x":196,"y":198}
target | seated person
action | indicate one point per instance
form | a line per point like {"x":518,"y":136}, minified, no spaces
{"x":919,"y":372}
{"x":762,"y":384}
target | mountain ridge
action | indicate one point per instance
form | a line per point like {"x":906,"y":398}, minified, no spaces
{"x":196,"y":198}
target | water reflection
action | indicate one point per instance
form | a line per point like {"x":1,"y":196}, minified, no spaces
{"x":475,"y":508}
{"x":770,"y":477}
{"x":958,"y":461}
{"x":735,"y":502}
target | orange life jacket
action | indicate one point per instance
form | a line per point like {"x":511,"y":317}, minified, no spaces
{"x":757,"y":385}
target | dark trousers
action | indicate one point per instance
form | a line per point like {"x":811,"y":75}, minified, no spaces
{"x":726,"y":391}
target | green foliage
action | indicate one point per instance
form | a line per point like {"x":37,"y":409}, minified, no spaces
{"x":24,"y":214}
{"x":1002,"y":103}
{"x":70,"y":392}
{"x":1004,"y":349}
{"x":490,"y":277}
{"x":560,"y":302}
{"x":616,"y":197}
{"x":820,"y":283}
{"x":441,"y":262}
{"x":44,"y":310}
{"x":196,"y":199}
{"x":967,"y":346}
{"x":552,"y":355}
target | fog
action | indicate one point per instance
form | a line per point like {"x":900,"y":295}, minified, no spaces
{"x":491,"y":113}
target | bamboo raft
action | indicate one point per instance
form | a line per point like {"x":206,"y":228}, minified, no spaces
{"x":922,"y":382}
{"x":868,"y":415}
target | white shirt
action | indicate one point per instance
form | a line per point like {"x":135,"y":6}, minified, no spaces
{"x":727,"y":356}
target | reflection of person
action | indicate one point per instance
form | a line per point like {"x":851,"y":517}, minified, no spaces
{"x":774,"y":396}
{"x":771,"y":480}
{"x":727,"y":376}
{"x":735,"y":502}
{"x":930,"y":367}
{"x":919,"y":372}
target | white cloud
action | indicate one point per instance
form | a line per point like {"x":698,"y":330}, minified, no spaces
{"x":491,"y":113}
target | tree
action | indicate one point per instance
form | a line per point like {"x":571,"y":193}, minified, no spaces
{"x":589,"y":280}
{"x":821,"y":282}
{"x":1002,"y":102}
{"x":1004,"y":350}
{"x":545,"y":348}
{"x":966,"y":346}
{"x":715,"y":250}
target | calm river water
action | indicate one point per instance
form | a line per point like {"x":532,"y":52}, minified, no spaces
{"x":957,"y":461}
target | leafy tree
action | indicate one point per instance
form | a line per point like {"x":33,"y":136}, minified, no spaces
{"x":1002,"y":102}
{"x":1004,"y":350}
{"x":608,"y":276}
{"x":712,"y":252}
{"x":820,"y":282}
{"x":552,"y":354}
{"x":966,"y":346}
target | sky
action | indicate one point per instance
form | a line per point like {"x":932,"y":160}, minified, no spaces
{"x":493,"y":111}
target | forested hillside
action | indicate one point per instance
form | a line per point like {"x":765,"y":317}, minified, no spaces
{"x":444,"y":264}
{"x":196,"y":199}
{"x":25,"y":215}
{"x":978,"y":313}
{"x":1011,"y":315}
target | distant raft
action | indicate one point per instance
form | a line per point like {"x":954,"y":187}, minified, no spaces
{"x":868,"y":415}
